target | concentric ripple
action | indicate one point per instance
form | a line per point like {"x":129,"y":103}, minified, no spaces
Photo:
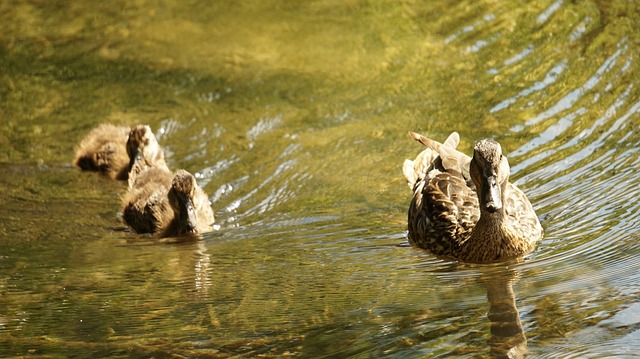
{"x":293,"y":117}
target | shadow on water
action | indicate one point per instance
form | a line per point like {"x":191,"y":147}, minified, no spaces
{"x":293,"y":117}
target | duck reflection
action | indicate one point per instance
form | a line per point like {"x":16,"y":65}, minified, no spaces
{"x":507,"y":339}
{"x":188,"y":264}
{"x":191,"y":268}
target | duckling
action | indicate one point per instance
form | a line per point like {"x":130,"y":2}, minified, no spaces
{"x":103,"y":150}
{"x":144,"y":152}
{"x":113,"y":150}
{"x":465,"y":207}
{"x":167,"y":204}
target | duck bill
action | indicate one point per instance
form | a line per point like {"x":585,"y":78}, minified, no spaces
{"x":492,"y":195}
{"x":134,"y":156}
{"x":190,"y":219}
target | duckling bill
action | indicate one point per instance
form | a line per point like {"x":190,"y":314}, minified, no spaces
{"x":465,"y":207}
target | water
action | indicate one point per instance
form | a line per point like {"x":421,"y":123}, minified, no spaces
{"x":294,"y":118}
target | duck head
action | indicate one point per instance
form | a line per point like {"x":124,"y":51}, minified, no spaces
{"x":181,"y":198}
{"x":143,"y":145}
{"x":489,"y":171}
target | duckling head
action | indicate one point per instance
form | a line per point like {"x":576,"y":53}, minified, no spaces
{"x":142,"y":144}
{"x":489,"y":171}
{"x":181,"y":198}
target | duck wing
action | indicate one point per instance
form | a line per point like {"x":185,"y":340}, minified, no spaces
{"x":444,"y":208}
{"x":417,"y":169}
{"x":520,"y":215}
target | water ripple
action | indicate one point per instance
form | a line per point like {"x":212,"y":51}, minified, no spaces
{"x":263,"y":125}
{"x":573,"y":96}
{"x":548,"y":12}
{"x":300,"y":159}
{"x":550,"y":78}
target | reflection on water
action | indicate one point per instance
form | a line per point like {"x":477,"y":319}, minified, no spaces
{"x":508,"y":338}
{"x":293,"y":116}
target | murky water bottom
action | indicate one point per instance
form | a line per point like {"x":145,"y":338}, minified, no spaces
{"x":293,"y":116}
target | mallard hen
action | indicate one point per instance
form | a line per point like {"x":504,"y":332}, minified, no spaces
{"x":466,"y":207}
{"x":103,"y":150}
{"x":166,"y":204}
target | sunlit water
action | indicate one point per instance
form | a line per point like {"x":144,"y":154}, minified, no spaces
{"x":294,"y":118}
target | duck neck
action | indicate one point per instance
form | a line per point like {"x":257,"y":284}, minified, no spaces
{"x":490,"y":224}
{"x":488,"y":232}
{"x":486,"y":238}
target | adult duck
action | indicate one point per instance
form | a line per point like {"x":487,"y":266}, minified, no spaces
{"x":166,"y":204}
{"x":465,"y":207}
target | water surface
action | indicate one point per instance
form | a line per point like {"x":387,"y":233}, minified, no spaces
{"x":294,"y":118}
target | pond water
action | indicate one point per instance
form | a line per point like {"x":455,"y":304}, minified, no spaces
{"x":294,"y":118}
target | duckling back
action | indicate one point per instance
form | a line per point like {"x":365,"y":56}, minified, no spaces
{"x":148,"y":205}
{"x":103,"y":150}
{"x":145,"y":207}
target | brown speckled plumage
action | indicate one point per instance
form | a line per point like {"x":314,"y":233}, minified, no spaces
{"x":144,"y":152}
{"x":114,"y":150}
{"x":466,"y":207}
{"x":167,"y":204}
{"x":103,"y":150}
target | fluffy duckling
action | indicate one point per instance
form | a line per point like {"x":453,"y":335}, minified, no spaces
{"x":167,"y":204}
{"x":113,"y":150}
{"x":465,"y":207}
{"x":144,"y":152}
{"x":103,"y":150}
